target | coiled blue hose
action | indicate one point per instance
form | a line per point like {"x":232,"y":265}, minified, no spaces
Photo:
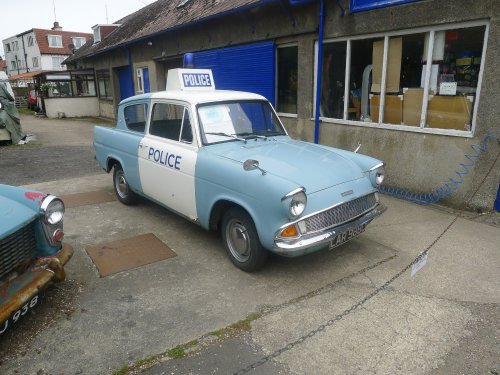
{"x":451,"y":185}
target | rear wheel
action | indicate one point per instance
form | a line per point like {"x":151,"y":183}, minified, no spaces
{"x":241,"y":240}
{"x":122,"y":189}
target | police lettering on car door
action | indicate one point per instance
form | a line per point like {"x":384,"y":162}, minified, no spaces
{"x":165,"y":158}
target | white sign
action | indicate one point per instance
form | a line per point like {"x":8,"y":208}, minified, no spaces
{"x":190,"y":80}
{"x":418,"y":264}
{"x":448,"y":88}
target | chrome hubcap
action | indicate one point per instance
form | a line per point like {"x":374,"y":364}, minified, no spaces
{"x":238,"y":240}
{"x":121,"y":185}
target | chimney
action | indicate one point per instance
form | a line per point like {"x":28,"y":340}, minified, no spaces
{"x":56,"y":26}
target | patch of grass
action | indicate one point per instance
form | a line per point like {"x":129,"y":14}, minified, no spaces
{"x":191,"y":343}
{"x":25,"y":111}
{"x":122,"y":371}
{"x":239,"y":326}
{"x":144,"y":361}
{"x":218,"y":332}
{"x":176,"y":352}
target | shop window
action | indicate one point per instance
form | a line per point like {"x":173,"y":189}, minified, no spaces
{"x":287,"y":79}
{"x":83,"y":85}
{"x":69,"y":84}
{"x":454,"y":78}
{"x":395,"y":67}
{"x":104,"y":85}
{"x":333,"y":80}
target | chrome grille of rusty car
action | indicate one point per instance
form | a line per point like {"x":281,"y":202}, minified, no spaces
{"x":340,"y":214}
{"x":17,"y":249}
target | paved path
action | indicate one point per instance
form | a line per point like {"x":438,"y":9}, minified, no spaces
{"x":444,"y":320}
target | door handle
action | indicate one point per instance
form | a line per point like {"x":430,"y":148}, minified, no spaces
{"x":141,"y":145}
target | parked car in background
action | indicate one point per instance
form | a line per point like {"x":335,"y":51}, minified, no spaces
{"x":223,"y":160}
{"x":32,"y":99}
{"x":31,"y":250}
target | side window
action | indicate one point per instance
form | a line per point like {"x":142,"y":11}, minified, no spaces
{"x":135,"y":117}
{"x":171,"y":121}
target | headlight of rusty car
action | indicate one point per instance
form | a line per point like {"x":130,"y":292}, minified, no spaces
{"x":52,"y":210}
{"x":377,"y":174}
{"x":296,"y":202}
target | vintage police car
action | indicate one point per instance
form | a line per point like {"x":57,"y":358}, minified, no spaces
{"x":223,"y":159}
{"x":31,"y":250}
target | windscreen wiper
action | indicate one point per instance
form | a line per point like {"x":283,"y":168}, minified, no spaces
{"x":234,"y":136}
{"x":251,"y":135}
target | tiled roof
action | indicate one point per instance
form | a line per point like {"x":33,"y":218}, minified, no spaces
{"x":161,"y":16}
{"x":43,"y":41}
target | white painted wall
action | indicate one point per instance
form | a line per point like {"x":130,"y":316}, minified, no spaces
{"x":72,"y":107}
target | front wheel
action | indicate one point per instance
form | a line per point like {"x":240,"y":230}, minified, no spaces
{"x":241,"y":240}
{"x":122,"y":189}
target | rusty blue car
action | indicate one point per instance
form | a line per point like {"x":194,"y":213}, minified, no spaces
{"x":32,"y":254}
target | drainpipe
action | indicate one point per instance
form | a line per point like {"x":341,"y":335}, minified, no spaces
{"x":319,"y":69}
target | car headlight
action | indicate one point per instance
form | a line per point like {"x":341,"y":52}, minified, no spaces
{"x":297,"y":202}
{"x":379,"y":175}
{"x":54,"y":213}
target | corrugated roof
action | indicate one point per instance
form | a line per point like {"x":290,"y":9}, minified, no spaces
{"x":43,"y":42}
{"x":161,"y":16}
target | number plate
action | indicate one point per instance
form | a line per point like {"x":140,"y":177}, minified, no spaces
{"x":347,"y":235}
{"x":18,"y":314}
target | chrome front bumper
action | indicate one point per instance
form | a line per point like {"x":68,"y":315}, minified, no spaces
{"x":318,"y":241}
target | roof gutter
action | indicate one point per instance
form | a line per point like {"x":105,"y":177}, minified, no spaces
{"x":200,"y":20}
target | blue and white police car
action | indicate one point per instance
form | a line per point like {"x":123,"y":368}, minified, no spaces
{"x":223,"y":160}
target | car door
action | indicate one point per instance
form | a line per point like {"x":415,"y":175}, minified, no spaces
{"x":167,"y":158}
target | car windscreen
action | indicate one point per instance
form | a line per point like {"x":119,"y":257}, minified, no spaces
{"x":237,"y":120}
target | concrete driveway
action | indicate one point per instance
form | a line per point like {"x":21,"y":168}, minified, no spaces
{"x":443,"y":320}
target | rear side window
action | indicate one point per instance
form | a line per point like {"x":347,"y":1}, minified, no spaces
{"x":171,"y":121}
{"x":135,"y":117}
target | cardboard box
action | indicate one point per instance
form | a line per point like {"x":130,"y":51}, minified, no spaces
{"x":412,"y":106}
{"x":393,"y":110}
{"x":450,"y":112}
{"x":393,"y":65}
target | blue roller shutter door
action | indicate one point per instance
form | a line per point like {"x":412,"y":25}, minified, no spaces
{"x":245,"y":68}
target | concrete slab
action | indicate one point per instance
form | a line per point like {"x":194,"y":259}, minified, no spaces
{"x":418,"y":325}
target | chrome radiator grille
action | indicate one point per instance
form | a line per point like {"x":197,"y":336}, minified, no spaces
{"x":17,"y":248}
{"x":340,"y":214}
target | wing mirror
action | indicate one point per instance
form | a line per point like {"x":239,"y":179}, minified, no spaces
{"x":250,"y":165}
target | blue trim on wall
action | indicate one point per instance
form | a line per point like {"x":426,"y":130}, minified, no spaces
{"x":363,"y":5}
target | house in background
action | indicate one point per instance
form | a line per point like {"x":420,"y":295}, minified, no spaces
{"x":414,"y":81}
{"x":37,"y":50}
{"x":3,"y":65}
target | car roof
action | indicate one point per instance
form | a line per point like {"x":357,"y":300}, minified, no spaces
{"x":197,"y":97}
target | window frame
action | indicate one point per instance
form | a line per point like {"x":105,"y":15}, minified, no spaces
{"x":30,"y":40}
{"x":386,"y":35}
{"x":146,"y":117}
{"x":285,"y":45}
{"x":104,"y":74}
{"x":73,"y":38}
{"x":187,"y":107}
{"x":37,"y":60}
{"x":57,"y":37}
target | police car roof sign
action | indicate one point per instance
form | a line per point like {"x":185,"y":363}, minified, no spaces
{"x":190,"y":80}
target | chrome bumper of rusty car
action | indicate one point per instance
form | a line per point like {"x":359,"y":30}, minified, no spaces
{"x":17,"y":293}
{"x":320,"y":240}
